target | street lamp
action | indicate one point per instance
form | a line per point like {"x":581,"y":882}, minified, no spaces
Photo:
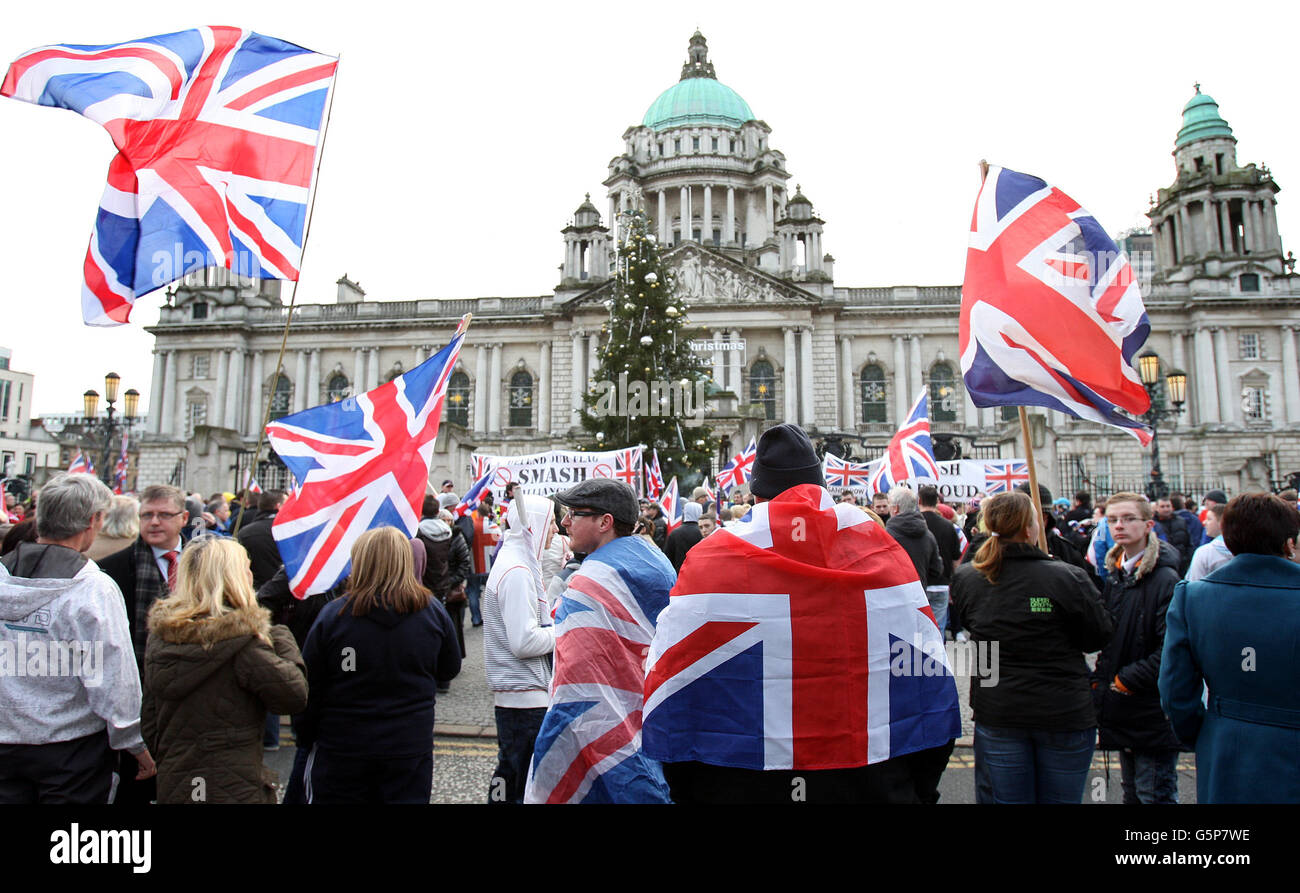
{"x":1174,"y":386}
{"x":131,"y":402}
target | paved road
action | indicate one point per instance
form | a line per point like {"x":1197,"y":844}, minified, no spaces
{"x":464,"y":747}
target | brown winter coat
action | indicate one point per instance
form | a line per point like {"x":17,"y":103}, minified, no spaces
{"x":208,"y":685}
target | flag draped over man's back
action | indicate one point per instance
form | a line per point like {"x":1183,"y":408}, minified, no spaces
{"x":589,"y":747}
{"x":798,"y":638}
{"x":217,"y":131}
{"x":910,"y":455}
{"x":360,"y":463}
{"x":1051,"y":313}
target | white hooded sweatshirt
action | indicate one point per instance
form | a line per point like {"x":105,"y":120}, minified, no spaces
{"x":518,"y":636}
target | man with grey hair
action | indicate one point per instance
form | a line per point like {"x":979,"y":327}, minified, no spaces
{"x":68,"y":677}
{"x":906,"y":525}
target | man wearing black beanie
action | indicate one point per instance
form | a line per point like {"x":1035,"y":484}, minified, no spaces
{"x":732,"y":737}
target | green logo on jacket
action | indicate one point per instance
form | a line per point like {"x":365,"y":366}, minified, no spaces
{"x":1040,"y":605}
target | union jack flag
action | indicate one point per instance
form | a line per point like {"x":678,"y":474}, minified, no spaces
{"x":668,"y":506}
{"x":589,"y":747}
{"x":654,"y":478}
{"x":473,"y":496}
{"x":739,"y":470}
{"x":81,"y":464}
{"x":777,"y":651}
{"x":910,"y":455}
{"x":1051,"y":313}
{"x":250,"y":483}
{"x":360,"y":463}
{"x":839,"y":473}
{"x":627,"y":466}
{"x":120,"y":469}
{"x":1002,"y":477}
{"x":217,"y":132}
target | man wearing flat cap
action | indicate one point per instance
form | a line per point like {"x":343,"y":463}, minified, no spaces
{"x":603,"y":625}
{"x":798,"y":660}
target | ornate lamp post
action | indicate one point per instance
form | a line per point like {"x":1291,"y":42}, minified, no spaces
{"x":130,"y":403}
{"x":1173,"y":386}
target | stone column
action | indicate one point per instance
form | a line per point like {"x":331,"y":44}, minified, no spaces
{"x":736,"y":362}
{"x":217,"y":416}
{"x":719,"y":367}
{"x":577,"y":381}
{"x":1248,"y":225}
{"x":593,"y":361}
{"x":234,"y":388}
{"x":971,"y":411}
{"x":706,"y":226}
{"x":372,"y":372}
{"x":729,"y":224}
{"x":169,"y":398}
{"x":494,"y":390}
{"x":1207,"y":395}
{"x":1290,"y":376}
{"x":807,"y":407}
{"x":358,"y":371}
{"x":846,"y":420}
{"x":613,"y":218}
{"x":683,"y":211}
{"x":1176,"y":353}
{"x":1210,"y":226}
{"x":663,"y":218}
{"x":544,"y":389}
{"x":1225,"y":221}
{"x":791,"y":377}
{"x":901,"y":401}
{"x":256,"y":408}
{"x":156,"y":394}
{"x":300,"y":383}
{"x":767,"y":205}
{"x":915,"y":378}
{"x":814,"y":253}
{"x":1229,"y":399}
{"x":313,"y":377}
{"x":481,"y":385}
{"x":1185,"y":227}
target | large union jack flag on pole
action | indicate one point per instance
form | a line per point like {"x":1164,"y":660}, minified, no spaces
{"x":360,"y":463}
{"x":910,"y":455}
{"x":654,"y":478}
{"x":798,"y":638}
{"x":840,"y":473}
{"x":217,"y":131}
{"x":627,"y":466}
{"x":1051,"y":313}
{"x":739,"y":470}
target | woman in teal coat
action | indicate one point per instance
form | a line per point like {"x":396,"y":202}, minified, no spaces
{"x":1237,"y":631}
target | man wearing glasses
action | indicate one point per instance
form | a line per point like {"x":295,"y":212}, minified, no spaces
{"x":1142,"y":573}
{"x":145,"y":571}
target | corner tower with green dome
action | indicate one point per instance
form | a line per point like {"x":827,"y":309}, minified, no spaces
{"x":701,"y":165}
{"x":1215,"y":228}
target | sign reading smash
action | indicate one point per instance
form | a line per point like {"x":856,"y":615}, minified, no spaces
{"x":959,"y":480}
{"x":544,"y":474}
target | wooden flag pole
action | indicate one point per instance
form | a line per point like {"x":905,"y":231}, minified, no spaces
{"x":288,"y":319}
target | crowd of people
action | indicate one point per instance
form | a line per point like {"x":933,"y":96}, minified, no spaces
{"x":159,"y":641}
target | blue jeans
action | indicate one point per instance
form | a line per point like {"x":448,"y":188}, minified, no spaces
{"x":517,"y":729}
{"x":474,"y":586}
{"x":1031,"y":766}
{"x":1149,"y":776}
{"x":938,"y":596}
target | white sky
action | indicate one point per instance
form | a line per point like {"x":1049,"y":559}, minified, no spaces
{"x":464,"y":134}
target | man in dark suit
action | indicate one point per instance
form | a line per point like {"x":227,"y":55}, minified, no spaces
{"x":256,"y":538}
{"x":145,"y":571}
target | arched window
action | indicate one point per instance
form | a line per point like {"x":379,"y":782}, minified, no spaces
{"x":338,"y":387}
{"x":521,"y":400}
{"x":762,"y":387}
{"x":943,"y":394}
{"x":458,"y":399}
{"x":280,"y":397}
{"x":874,"y":407}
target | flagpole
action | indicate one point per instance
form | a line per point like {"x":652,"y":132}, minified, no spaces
{"x":293,"y":298}
{"x":1024,"y":432}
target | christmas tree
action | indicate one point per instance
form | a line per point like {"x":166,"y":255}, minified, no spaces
{"x":650,"y":386}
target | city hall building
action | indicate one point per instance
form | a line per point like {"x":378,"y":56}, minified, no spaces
{"x":788,"y":343}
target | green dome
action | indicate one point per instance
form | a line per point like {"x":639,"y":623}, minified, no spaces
{"x":697,"y":100}
{"x":1201,"y":120}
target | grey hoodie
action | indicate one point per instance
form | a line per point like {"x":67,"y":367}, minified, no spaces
{"x":67,"y":667}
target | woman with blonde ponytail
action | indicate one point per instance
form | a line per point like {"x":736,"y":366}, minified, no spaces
{"x":1031,"y":619}
{"x":213,"y":667}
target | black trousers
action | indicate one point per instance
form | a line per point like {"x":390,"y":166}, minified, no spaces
{"x":77,"y":772}
{"x":337,"y":778}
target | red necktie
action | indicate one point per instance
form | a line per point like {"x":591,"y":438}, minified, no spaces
{"x":171,"y":569}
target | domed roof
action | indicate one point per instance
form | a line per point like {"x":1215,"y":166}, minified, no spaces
{"x":698,"y":98}
{"x":1201,"y":120}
